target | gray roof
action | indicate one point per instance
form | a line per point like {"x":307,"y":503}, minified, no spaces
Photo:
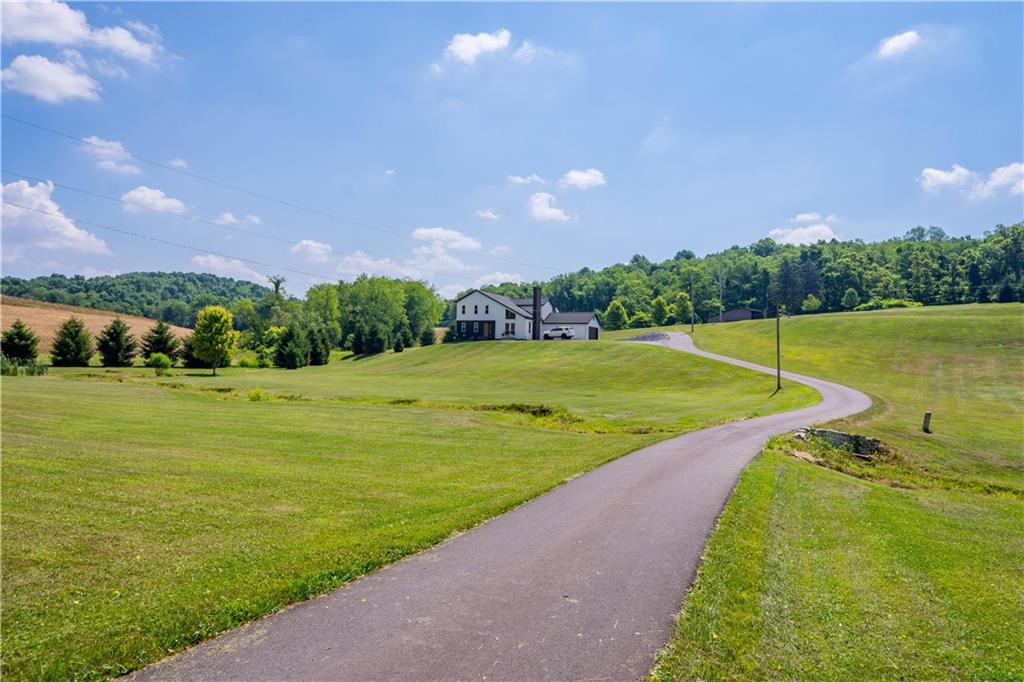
{"x":569,"y":318}
{"x":505,"y":301}
{"x":527,"y":302}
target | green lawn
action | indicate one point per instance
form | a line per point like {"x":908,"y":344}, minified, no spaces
{"x":816,"y":574}
{"x":141,"y":515}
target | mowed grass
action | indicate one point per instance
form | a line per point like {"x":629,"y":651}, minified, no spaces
{"x":816,"y":574}
{"x":141,"y":515}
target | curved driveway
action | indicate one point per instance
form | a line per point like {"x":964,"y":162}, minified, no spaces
{"x":580,"y":583}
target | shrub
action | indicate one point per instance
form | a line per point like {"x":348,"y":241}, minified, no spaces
{"x":159,"y":362}
{"x":811,"y":304}
{"x":427,"y":337}
{"x":399,"y":345}
{"x":249,"y":363}
{"x":451,"y":334}
{"x":258,"y":394}
{"x":214,"y":339}
{"x":72,"y":346}
{"x":12,"y":367}
{"x":851,"y":299}
{"x":19,"y":343}
{"x":349,"y":340}
{"x":641,"y":319}
{"x":319,"y":345}
{"x":886,"y":303}
{"x":161,"y":339}
{"x":116,"y":346}
{"x":659,"y":311}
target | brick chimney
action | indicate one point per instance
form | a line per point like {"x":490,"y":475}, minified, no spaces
{"x":536,"y":313}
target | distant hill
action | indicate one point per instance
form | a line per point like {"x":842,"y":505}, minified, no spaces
{"x":170,"y":296}
{"x":44,"y":318}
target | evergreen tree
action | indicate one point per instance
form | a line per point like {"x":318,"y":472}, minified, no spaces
{"x":19,"y":343}
{"x":161,"y":339}
{"x":293,"y":348}
{"x":615,"y":317}
{"x":72,"y":345}
{"x":214,"y":340}
{"x":427,"y":337}
{"x":850,"y":299}
{"x":116,"y":346}
{"x":659,"y":311}
{"x":319,"y":345}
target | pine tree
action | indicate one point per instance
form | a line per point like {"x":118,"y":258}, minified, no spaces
{"x":116,"y":346}
{"x":161,"y":339}
{"x":72,"y":346}
{"x":293,"y":348}
{"x":19,"y":343}
{"x":615,"y":317}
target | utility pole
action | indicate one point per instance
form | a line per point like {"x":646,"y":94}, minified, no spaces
{"x":778,"y":352}
{"x":691,"y":303}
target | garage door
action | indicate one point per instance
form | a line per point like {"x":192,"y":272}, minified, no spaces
{"x":592,"y":333}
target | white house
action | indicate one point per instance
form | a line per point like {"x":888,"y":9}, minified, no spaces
{"x":482,"y":315}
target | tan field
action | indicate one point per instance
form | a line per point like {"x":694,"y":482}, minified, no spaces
{"x":44,"y":318}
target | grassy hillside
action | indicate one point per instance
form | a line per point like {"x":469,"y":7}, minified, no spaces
{"x":44,"y":318}
{"x":142,"y":514}
{"x":912,"y":568}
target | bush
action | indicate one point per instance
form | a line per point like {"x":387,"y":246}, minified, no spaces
{"x":257,"y":394}
{"x":427,"y":337}
{"x":349,"y":340}
{"x":12,"y":367}
{"x":451,"y":334}
{"x":399,"y":345}
{"x":886,"y":303}
{"x":319,"y":345}
{"x":249,"y":363}
{"x":811,"y":304}
{"x":851,"y":299}
{"x":161,"y":339}
{"x":159,"y":362}
{"x":641,"y":319}
{"x":72,"y":346}
{"x":19,"y":343}
{"x":615,"y":317}
{"x":116,"y":346}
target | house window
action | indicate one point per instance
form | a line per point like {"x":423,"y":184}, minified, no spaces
{"x":463,"y":308}
{"x":512,"y":328}
{"x":529,"y":327}
{"x":462,"y":327}
{"x":476,"y":327}
{"x":509,"y":315}
{"x":476,"y":309}
{"x":487,"y":309}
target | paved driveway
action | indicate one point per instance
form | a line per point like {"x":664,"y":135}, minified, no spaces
{"x":580,"y":583}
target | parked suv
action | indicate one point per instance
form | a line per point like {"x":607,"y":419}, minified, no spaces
{"x":559,"y":333}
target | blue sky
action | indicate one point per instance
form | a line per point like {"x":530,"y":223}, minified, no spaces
{"x":488,"y":142}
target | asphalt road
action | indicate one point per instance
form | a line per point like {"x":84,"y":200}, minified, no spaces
{"x":580,"y":583}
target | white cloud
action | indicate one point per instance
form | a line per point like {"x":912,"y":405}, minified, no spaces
{"x":110,"y":155}
{"x":807,"y":234}
{"x":452,"y":239}
{"x":499,"y":278}
{"x":1009,"y":177}
{"x":389,"y":172}
{"x":542,"y":207}
{"x":42,"y":224}
{"x":52,"y":82}
{"x":932,"y":179}
{"x":499,"y":249}
{"x":530,"y":179}
{"x":894,"y":46}
{"x":178,"y":163}
{"x":228,"y":267}
{"x":809,"y":217}
{"x":142,"y":198}
{"x":431,"y":259}
{"x":583,"y":179}
{"x":226,"y":218}
{"x":450,"y":290}
{"x":253,"y":219}
{"x":314,"y":251}
{"x":487,"y":214}
{"x":58,"y":24}
{"x":530,"y":52}
{"x":466,"y":47}
{"x":360,"y":262}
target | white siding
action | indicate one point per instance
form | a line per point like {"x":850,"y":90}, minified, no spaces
{"x":479,"y":308}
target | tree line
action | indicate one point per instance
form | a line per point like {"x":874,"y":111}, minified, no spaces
{"x":368,"y":315}
{"x":924,"y":267}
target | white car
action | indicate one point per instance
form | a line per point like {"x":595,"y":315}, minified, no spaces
{"x":559,"y":333}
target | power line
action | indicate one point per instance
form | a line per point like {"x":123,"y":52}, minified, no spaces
{"x":259,"y":195}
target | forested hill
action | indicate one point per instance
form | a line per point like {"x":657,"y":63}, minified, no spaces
{"x":171,"y":296}
{"x":924,"y":267}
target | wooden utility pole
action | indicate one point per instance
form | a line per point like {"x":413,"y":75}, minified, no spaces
{"x":692,"y":305}
{"x":778,"y":352}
